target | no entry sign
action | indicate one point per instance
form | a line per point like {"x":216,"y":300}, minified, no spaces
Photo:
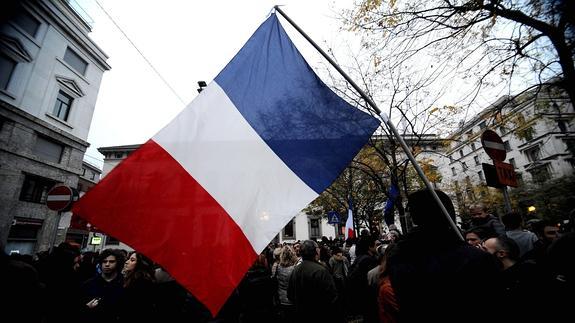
{"x":493,"y":145}
{"x":61,"y":197}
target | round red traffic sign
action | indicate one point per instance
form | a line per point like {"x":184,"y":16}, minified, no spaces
{"x":60,"y":198}
{"x":493,"y":145}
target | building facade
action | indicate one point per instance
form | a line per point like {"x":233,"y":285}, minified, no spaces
{"x":50,"y":74}
{"x":538,"y":132}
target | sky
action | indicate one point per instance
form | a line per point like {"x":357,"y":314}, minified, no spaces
{"x":186,"y":42}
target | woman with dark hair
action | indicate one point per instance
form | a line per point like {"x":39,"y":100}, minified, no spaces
{"x":138,"y":304}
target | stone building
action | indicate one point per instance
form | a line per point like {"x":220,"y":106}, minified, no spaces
{"x":50,"y":74}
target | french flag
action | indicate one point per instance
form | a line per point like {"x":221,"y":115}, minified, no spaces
{"x":205,"y":195}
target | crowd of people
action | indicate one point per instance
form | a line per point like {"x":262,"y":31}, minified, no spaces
{"x":501,"y":272}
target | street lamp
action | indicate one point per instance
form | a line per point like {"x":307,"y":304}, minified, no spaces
{"x":531,"y":208}
{"x":202,"y":85}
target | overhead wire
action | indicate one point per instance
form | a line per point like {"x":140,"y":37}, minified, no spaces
{"x":141,"y":53}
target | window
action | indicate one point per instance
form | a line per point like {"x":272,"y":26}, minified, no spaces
{"x":48,"y":149}
{"x":507,"y":146}
{"x":289,"y":230}
{"x":482,"y":125}
{"x":533,"y":153}
{"x":27,"y":22}
{"x":111,"y":241}
{"x":450,"y":158}
{"x":62,"y":106}
{"x":512,"y":162}
{"x":7,"y":66}
{"x":519,"y":177}
{"x":562,"y":126}
{"x":570,"y":144}
{"x":464,"y":165}
{"x":92,"y":175}
{"x":529,"y":132}
{"x":75,"y":61}
{"x":314,"y":229}
{"x":461,"y":153}
{"x":480,"y":174}
{"x":472,"y":146}
{"x":35,"y":188}
{"x":502,"y":130}
{"x":453,"y":172}
{"x":476,"y":159}
{"x":83,"y":171}
{"x":23,"y":235}
{"x":118,"y":155}
{"x":540,"y":174}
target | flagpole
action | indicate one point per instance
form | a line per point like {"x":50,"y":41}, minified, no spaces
{"x":385,"y":118}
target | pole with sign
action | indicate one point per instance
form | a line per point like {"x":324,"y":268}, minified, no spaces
{"x":60,"y":198}
{"x":495,"y":148}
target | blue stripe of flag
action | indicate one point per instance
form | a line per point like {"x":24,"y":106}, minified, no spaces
{"x":307,"y":125}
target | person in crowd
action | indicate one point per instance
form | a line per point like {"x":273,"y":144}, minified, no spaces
{"x":521,"y":283}
{"x":101,"y":294}
{"x":173,"y":301}
{"x":339,"y":266}
{"x":388,"y":308}
{"x":547,"y":232}
{"x":276,"y":254}
{"x":256,"y":293}
{"x":139,"y":299}
{"x":286,"y":266}
{"x":476,"y":235}
{"x":513,"y":229}
{"x":62,"y":283}
{"x":324,"y":254}
{"x":481,"y":218}
{"x":561,"y":270}
{"x":312,"y":289}
{"x":87,"y":265}
{"x":296,"y":248}
{"x":361,"y":298}
{"x":24,"y":293}
{"x":432,"y":268}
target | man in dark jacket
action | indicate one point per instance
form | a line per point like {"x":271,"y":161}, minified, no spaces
{"x":432,"y":269}
{"x":102,"y":293}
{"x":312,"y":289}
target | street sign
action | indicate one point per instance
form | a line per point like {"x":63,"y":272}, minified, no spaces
{"x":332,"y":217}
{"x":505,"y":174}
{"x":493,"y":145}
{"x":96,"y":240}
{"x":491,"y":176}
{"x":61,"y":197}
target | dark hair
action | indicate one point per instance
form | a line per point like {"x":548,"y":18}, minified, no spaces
{"x":483,"y":233}
{"x":336,"y":250}
{"x":539,"y":227}
{"x":113,"y":252}
{"x":511,"y":220}
{"x":509,"y":245}
{"x":308,"y":250}
{"x":363,"y":245}
{"x":425,"y":212}
{"x":144,"y":270}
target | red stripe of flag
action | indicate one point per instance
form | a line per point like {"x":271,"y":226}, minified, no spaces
{"x":159,"y":217}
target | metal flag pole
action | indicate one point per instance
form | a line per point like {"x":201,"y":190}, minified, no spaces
{"x":385,"y":118}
